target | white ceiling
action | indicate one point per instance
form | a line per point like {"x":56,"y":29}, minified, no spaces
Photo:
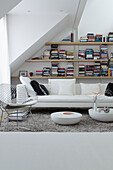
{"x":48,"y":6}
{"x":6,"y":6}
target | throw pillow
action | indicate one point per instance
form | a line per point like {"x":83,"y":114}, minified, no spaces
{"x":39,"y":89}
{"x":90,"y":89}
{"x":109,"y":90}
{"x":66,"y":88}
{"x":26,"y":82}
{"x":46,"y":92}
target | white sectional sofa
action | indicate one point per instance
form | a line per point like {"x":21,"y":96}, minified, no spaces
{"x":69,"y":96}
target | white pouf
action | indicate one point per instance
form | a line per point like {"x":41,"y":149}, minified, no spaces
{"x":66,"y":118}
{"x":101,"y":115}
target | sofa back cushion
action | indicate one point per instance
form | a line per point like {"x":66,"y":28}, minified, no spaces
{"x":90,"y":89}
{"x":26,"y":82}
{"x":57,"y":86}
{"x":103,"y":88}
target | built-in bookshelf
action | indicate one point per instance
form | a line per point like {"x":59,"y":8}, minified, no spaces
{"x":75,"y":60}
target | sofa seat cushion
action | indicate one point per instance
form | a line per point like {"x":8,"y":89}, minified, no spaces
{"x":104,"y":99}
{"x":64,"y":98}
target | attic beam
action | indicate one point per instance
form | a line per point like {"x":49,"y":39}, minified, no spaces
{"x":79,"y":13}
{"x":6,"y":6}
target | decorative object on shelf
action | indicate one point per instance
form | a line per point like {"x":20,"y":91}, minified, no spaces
{"x":31,"y":74}
{"x":72,"y":37}
{"x":23,"y":73}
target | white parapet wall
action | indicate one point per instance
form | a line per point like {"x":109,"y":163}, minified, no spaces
{"x":56,"y":151}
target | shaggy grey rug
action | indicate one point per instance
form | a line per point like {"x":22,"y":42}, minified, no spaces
{"x":41,"y":121}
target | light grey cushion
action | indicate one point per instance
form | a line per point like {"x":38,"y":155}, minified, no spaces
{"x":26,"y":81}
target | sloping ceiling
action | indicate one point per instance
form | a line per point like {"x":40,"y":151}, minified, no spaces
{"x":19,"y":50}
{"x":97,"y":18}
{"x":7,"y":5}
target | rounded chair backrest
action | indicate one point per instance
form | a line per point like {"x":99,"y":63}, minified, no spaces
{"x":5,"y":93}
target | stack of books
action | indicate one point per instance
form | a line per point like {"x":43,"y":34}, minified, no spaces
{"x":81,"y":54}
{"x":110,"y":37}
{"x":104,"y":51}
{"x":46,"y":55}
{"x":97,"y":69}
{"x":62,"y":54}
{"x":104,"y":68}
{"x":54,"y":69}
{"x":21,"y":115}
{"x":110,"y":70}
{"x":70,"y":70}
{"x":61,"y":71}
{"x":111,"y":55}
{"x":67,"y":40}
{"x":70,"y":55}
{"x":98,"y":38}
{"x":91,"y":37}
{"x":96,"y":55}
{"x":46,"y":71}
{"x":81,"y":71}
{"x":89,"y":54}
{"x":89,"y":70}
{"x":39,"y":73}
{"x":83,"y":39}
{"x":54,"y":54}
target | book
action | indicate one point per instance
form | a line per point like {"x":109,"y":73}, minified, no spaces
{"x":20,"y":116}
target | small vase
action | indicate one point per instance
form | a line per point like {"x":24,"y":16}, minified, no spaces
{"x":95,"y":107}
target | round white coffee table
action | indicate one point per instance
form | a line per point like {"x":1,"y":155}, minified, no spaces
{"x":66,"y":117}
{"x":101,"y":115}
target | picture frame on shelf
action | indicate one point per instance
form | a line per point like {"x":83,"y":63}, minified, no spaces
{"x":23,"y":73}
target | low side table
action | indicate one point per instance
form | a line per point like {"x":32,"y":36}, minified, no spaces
{"x":101,"y":115}
{"x":66,"y":117}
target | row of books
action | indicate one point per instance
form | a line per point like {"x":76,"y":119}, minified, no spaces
{"x":56,"y":71}
{"x":91,"y":37}
{"x":91,"y":54}
{"x":96,"y":69}
{"x":55,"y":54}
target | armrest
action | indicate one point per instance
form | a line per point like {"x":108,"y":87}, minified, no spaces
{"x":22,"y":95}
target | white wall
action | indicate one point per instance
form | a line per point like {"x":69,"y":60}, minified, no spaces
{"x":25,"y":30}
{"x":4,"y":59}
{"x":97,"y":17}
{"x":56,"y":151}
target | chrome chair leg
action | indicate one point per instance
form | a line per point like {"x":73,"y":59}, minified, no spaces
{"x":32,"y":116}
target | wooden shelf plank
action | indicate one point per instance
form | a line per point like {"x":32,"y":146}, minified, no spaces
{"x":70,"y":77}
{"x":94,"y":77}
{"x":62,"y":60}
{"x":79,"y":43}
